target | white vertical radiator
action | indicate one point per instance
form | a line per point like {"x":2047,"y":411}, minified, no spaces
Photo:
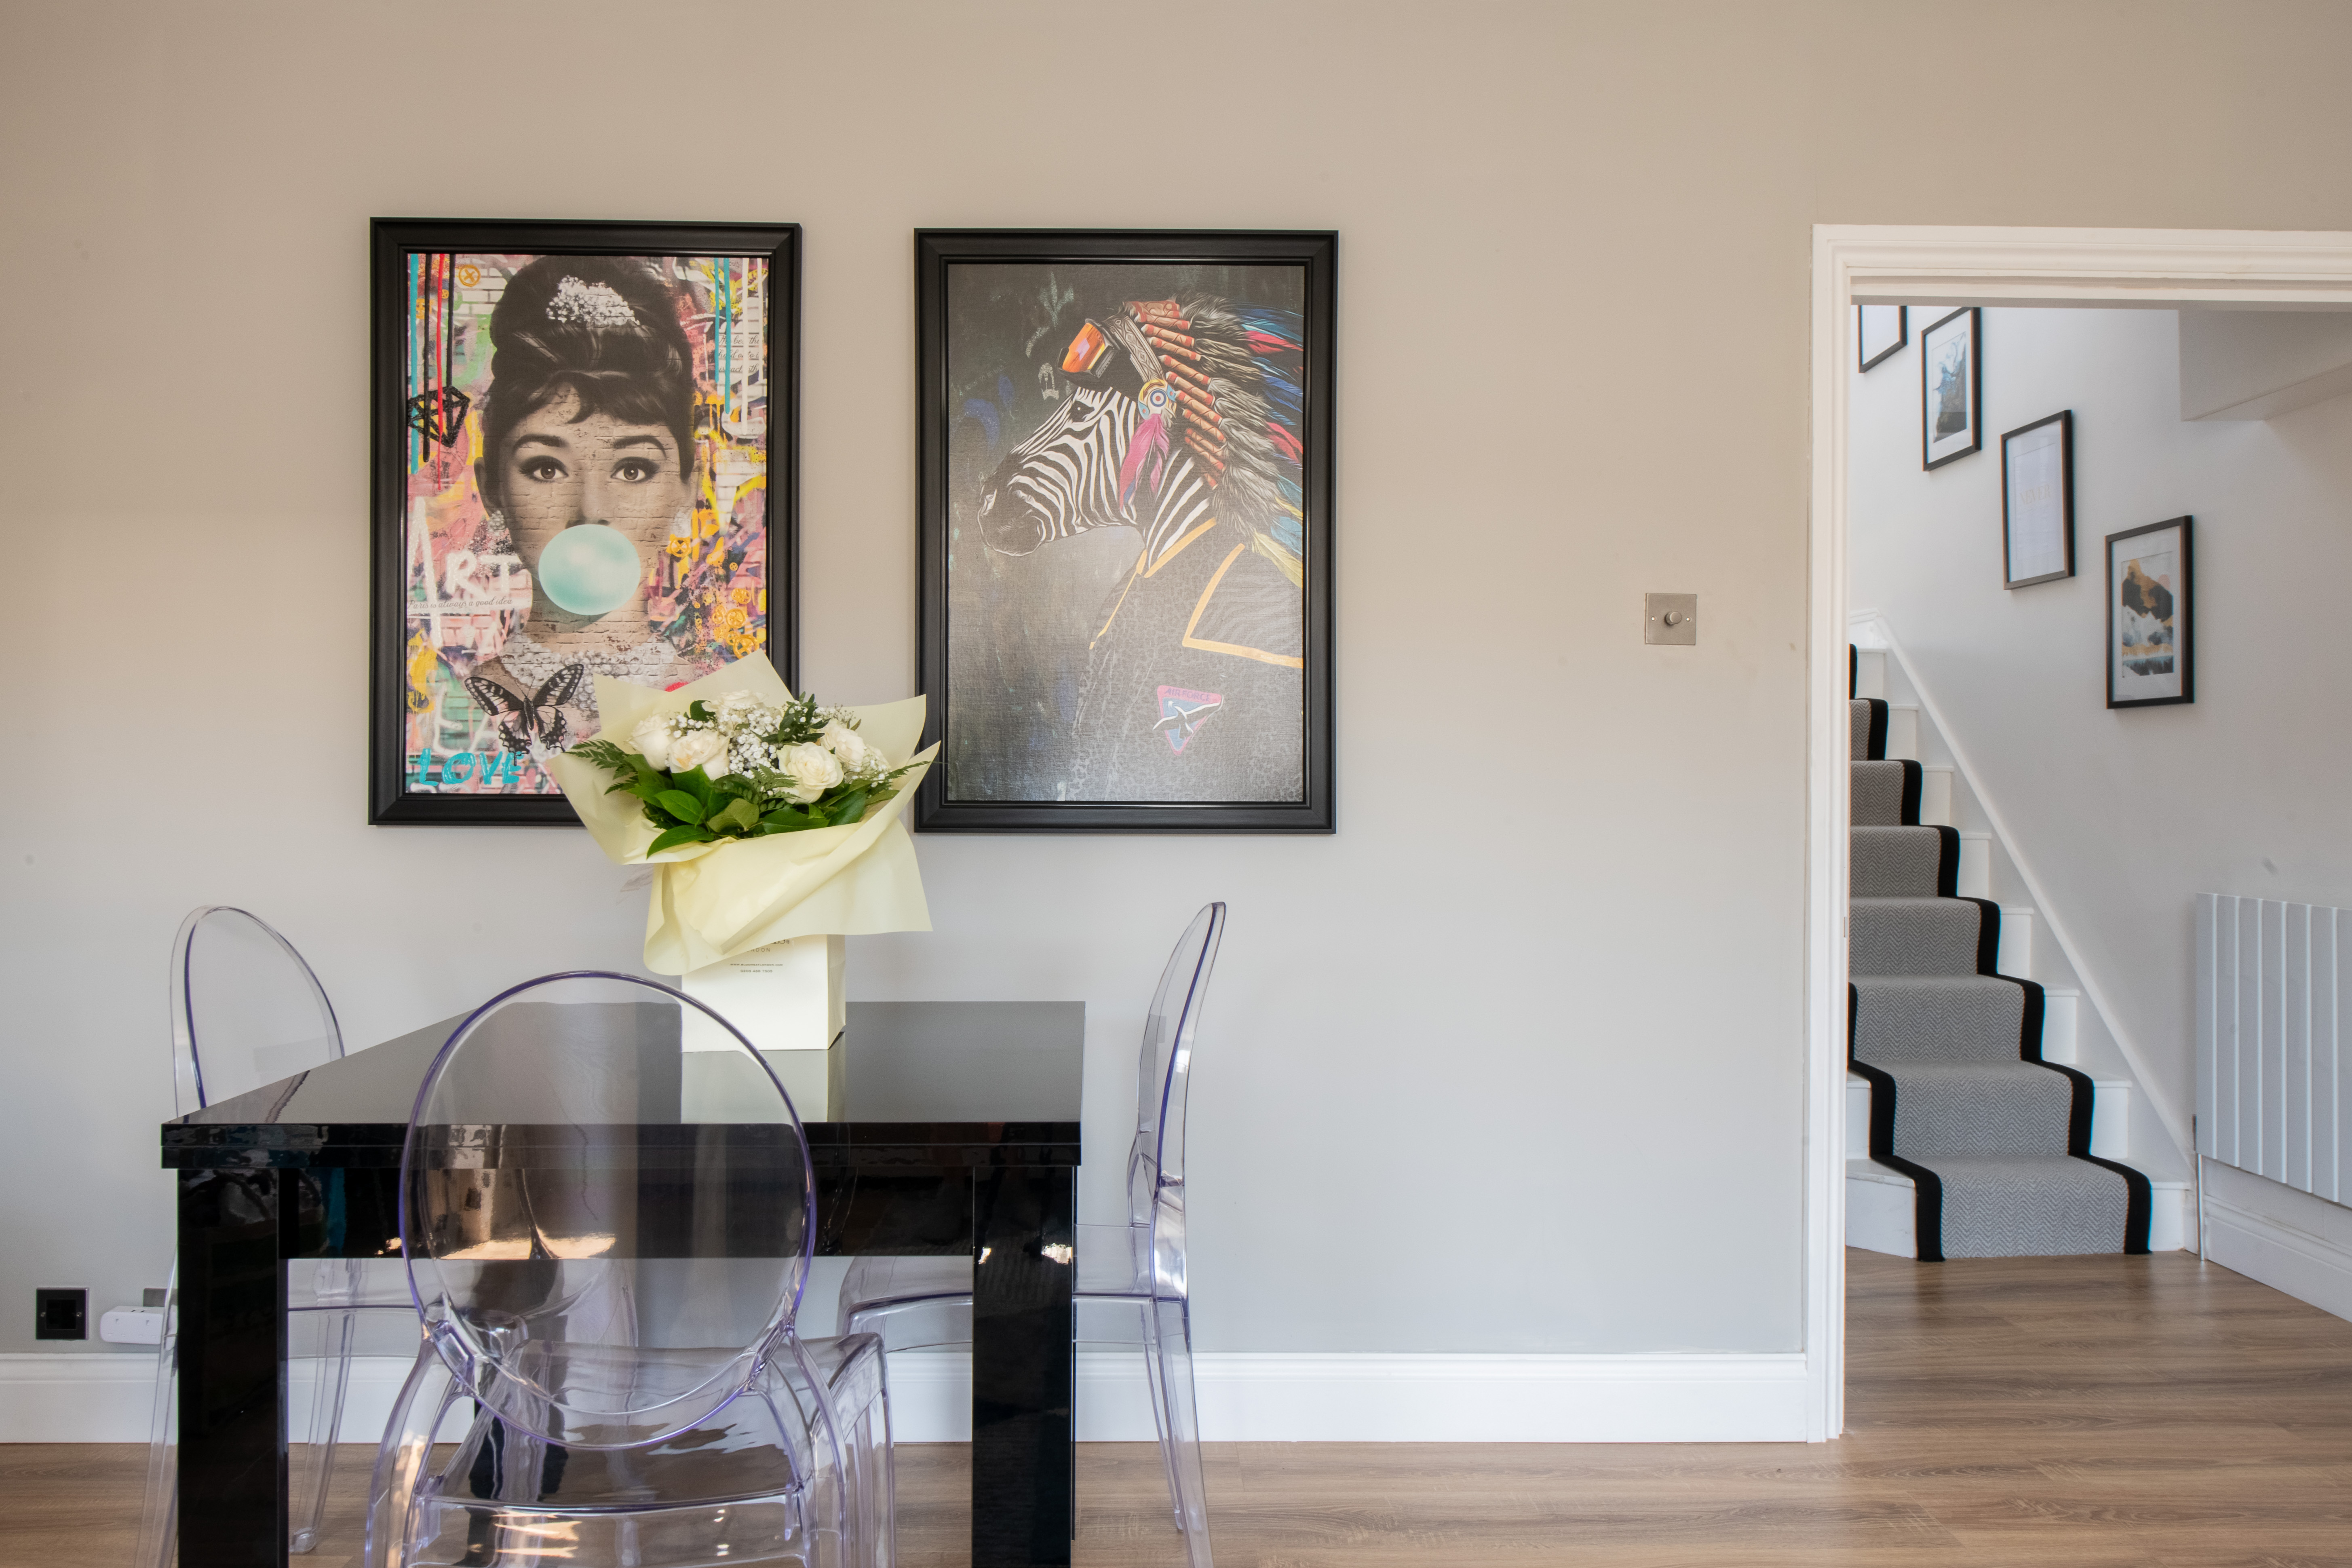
{"x":2274,"y":1041}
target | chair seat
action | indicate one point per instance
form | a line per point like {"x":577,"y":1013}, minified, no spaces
{"x":739,"y":1453}
{"x":729,"y":1489}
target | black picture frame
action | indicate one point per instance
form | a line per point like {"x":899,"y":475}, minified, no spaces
{"x":1866,"y":359}
{"x":392,"y":242}
{"x":2022,"y":505}
{"x":2123,"y":683}
{"x":1068,"y":255}
{"x":1934,"y":395}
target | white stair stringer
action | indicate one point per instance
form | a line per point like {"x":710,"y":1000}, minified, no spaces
{"x":2126,"y":1122}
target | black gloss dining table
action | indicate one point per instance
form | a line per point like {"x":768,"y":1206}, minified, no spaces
{"x":936,"y":1129}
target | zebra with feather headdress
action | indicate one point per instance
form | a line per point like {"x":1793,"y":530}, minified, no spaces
{"x":1182,"y":422}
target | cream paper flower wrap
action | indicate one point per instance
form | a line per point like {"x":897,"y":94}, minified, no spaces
{"x":712,"y":901}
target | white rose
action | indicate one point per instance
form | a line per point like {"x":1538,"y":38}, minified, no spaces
{"x":735,"y":704}
{"x":811,"y":768}
{"x":704,"y":749}
{"x":652,"y":740}
{"x":845,"y":744}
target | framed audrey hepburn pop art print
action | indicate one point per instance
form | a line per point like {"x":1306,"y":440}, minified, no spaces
{"x":1125,"y":537}
{"x":584,"y":463}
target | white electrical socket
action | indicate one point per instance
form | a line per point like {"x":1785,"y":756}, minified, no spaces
{"x":132,"y":1326}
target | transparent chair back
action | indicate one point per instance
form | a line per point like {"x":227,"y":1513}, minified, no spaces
{"x":1155,"y":1165}
{"x":246,"y":1012}
{"x":1155,"y":1210}
{"x":245,"y":1009}
{"x":606,"y":1208}
{"x":1133,"y":1286}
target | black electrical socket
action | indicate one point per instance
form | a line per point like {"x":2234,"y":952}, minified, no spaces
{"x":64,"y":1315}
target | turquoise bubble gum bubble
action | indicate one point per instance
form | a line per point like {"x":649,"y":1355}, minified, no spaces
{"x":590,"y":570}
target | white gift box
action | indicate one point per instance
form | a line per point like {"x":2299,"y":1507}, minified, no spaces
{"x":785,"y":997}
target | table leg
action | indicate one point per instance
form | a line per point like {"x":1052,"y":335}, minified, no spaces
{"x":232,"y":1368}
{"x":1023,"y":1371}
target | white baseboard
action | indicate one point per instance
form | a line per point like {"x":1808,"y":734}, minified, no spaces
{"x":96,"y":1397}
{"x":1256,"y":1398}
{"x":2283,"y":1248}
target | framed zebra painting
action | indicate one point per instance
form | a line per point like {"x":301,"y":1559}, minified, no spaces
{"x":1125,"y":499}
{"x":583,"y":466}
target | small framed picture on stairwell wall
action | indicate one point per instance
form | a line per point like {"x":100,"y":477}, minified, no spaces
{"x":1124,"y":494}
{"x":1950,"y":386}
{"x":2151,"y":624}
{"x":2037,"y":502}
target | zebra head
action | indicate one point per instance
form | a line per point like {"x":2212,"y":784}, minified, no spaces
{"x":1064,"y":479}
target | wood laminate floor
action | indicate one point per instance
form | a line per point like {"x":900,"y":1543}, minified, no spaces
{"x":2041,"y":1413}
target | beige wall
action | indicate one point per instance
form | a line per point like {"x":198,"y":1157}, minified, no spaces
{"x":1548,"y":1062}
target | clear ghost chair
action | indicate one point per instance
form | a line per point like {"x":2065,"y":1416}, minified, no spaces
{"x":248,"y":1012}
{"x":1131,"y":1286}
{"x":607,"y":1212}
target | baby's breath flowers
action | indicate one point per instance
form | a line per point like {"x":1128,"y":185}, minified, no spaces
{"x":740,"y":767}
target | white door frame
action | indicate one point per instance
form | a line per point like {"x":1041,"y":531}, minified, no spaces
{"x":1857,"y":264}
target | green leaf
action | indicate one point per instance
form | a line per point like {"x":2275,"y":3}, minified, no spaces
{"x":786,"y":819}
{"x":680,"y":804}
{"x":695,"y":783}
{"x":689,"y":834}
{"x":699,"y":712}
{"x":848,"y":808}
{"x":737,"y":816}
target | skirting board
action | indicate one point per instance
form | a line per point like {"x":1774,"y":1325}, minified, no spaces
{"x":2275,"y":1250}
{"x":1250,"y":1398}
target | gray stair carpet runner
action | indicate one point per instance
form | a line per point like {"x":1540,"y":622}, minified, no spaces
{"x":1996,"y":1141}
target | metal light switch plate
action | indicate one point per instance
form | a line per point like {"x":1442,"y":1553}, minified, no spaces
{"x":1671,"y":620}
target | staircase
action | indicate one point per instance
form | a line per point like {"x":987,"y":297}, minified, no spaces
{"x":1974,"y":1128}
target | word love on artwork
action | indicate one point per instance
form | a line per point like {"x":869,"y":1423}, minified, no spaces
{"x":494,"y":769}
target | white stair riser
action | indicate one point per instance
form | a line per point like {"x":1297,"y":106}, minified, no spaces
{"x":2016,"y":958}
{"x":1903,"y":731}
{"x":1976,"y":866}
{"x":2111,"y":1119}
{"x":1881,"y":1215}
{"x":1935,"y":796}
{"x":1870,"y":673}
{"x":2061,"y":1025}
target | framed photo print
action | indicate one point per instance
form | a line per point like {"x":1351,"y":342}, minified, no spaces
{"x":584,"y":463}
{"x":1125,"y":493}
{"x":1881,"y":329}
{"x":2037,"y":500}
{"x":2151,"y":620}
{"x":1950,"y":381}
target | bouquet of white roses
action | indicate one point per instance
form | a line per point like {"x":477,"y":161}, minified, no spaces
{"x":740,"y":766}
{"x":762,"y":816}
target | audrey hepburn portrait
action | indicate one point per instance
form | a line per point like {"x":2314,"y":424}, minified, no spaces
{"x":586,"y":490}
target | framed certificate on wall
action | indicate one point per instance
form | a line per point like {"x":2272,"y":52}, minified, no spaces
{"x":2037,"y":502}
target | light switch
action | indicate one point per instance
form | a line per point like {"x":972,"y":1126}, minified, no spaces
{"x":1670,"y":618}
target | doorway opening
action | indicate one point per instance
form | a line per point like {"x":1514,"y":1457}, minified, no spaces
{"x":1934,"y":271}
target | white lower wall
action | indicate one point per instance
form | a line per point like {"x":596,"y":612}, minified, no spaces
{"x":1262,"y":1398}
{"x":2288,"y":1240}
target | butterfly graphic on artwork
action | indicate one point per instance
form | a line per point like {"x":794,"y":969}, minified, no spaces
{"x":539,"y":717}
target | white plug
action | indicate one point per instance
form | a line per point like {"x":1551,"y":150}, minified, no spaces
{"x":132,"y":1326}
